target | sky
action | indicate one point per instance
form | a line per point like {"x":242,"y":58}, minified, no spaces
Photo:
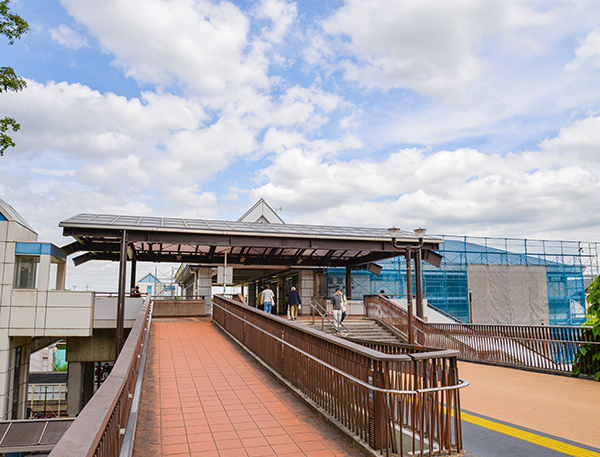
{"x":468,"y":117}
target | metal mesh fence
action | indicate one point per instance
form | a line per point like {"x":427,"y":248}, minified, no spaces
{"x":570,"y":266}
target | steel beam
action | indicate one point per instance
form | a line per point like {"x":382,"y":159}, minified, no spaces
{"x":121,"y":295}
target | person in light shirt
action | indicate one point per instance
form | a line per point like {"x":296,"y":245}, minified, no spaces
{"x":267,"y":298}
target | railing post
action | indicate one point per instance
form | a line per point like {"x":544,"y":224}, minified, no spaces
{"x":377,"y":413}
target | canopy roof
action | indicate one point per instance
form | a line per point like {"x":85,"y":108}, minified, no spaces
{"x":199,"y":241}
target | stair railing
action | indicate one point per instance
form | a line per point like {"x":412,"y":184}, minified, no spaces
{"x":325,"y":316}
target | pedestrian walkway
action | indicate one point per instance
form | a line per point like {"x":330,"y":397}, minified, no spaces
{"x":203,"y":396}
{"x":528,"y":412}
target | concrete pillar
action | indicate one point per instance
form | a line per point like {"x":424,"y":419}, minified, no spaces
{"x":88,"y":381}
{"x":20,"y":378}
{"x":23,"y":383}
{"x":61,"y":270}
{"x":204,"y":280}
{"x":306,"y":286}
{"x":44,"y":273}
{"x":75,"y":388}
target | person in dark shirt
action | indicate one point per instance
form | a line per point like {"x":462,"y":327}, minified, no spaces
{"x":336,"y":310}
{"x":293,"y":301}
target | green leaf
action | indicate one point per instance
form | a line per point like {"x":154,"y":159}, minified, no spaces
{"x":9,"y":81}
{"x":597,"y":376}
{"x":6,"y":141}
{"x":576,"y":370}
{"x":12,"y":26}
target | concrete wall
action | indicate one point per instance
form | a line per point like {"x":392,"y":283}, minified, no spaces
{"x":170,"y":308}
{"x":51,"y":313}
{"x":105,"y":311}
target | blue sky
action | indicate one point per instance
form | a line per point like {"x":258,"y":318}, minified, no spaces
{"x":466,"y":117}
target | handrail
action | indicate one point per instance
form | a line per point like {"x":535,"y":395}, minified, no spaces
{"x":316,"y":306}
{"x":464,"y":382}
{"x":99,"y":428}
{"x":546,"y":348}
{"x":445,"y":314}
{"x":129,"y":438}
{"x":393,"y":402}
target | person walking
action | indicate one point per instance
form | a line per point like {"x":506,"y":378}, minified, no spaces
{"x":259,"y":304}
{"x":343,"y":305}
{"x":336,"y":310}
{"x":293,"y":301}
{"x":267,"y":298}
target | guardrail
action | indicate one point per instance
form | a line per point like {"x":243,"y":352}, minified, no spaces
{"x":546,"y":348}
{"x":100,"y":427}
{"x":394,"y":403}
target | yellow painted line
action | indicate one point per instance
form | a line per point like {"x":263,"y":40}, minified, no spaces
{"x":549,"y":443}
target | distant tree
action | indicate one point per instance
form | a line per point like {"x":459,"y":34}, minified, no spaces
{"x":12,"y":26}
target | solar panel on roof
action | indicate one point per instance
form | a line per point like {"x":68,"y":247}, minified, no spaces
{"x":125,"y":221}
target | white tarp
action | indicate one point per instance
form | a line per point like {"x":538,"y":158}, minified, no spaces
{"x":508,"y":294}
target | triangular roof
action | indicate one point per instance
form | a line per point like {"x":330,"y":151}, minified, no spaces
{"x":8,"y":213}
{"x":149,"y":278}
{"x":261,"y":212}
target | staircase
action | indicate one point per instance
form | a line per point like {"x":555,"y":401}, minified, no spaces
{"x":363,"y":329}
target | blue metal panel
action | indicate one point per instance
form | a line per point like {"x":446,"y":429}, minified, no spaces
{"x":2,"y":218}
{"x":40,"y":249}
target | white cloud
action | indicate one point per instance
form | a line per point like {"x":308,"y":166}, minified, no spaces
{"x":201,"y":44}
{"x":433,"y":47}
{"x":282,"y":14}
{"x":539,"y":194}
{"x":68,"y":37}
{"x":74,"y":119}
{"x":588,"y":53}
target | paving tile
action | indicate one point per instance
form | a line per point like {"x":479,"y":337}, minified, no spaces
{"x":286,"y":449}
{"x":279,"y":439}
{"x":206,"y":398}
{"x":254,"y":442}
{"x":262,"y":451}
{"x":175,"y":448}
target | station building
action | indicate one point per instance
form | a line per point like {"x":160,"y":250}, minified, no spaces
{"x":480,"y":280}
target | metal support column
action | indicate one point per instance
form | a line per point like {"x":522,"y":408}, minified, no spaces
{"x":121,"y":296}
{"x":419,"y":284}
{"x":409,"y":304}
{"x":133,"y":273}
{"x":348,"y":283}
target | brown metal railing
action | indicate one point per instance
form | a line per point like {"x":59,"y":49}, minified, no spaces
{"x":99,"y":428}
{"x":394,"y":403}
{"x":547,"y":348}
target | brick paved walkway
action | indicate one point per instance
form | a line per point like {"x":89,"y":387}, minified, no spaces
{"x":203,"y":396}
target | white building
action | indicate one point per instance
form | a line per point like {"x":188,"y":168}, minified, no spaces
{"x":35,"y":310}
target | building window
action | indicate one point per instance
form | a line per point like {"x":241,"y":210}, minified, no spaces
{"x":26,"y":272}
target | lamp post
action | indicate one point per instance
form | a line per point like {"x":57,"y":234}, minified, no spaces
{"x":420,"y":233}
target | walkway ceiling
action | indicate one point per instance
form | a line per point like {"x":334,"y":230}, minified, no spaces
{"x":206,"y":242}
